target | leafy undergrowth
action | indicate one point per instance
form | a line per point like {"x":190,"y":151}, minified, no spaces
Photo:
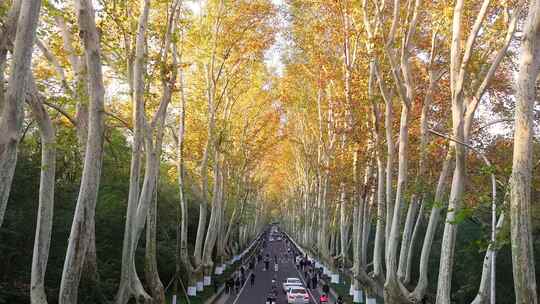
{"x":342,"y":289}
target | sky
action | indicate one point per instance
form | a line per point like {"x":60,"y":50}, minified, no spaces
{"x":273,"y":55}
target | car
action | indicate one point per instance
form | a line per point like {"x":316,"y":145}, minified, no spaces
{"x":291,"y":282}
{"x":288,"y":286}
{"x":297,"y":295}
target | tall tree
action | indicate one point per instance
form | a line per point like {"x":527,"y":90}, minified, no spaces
{"x":86,"y":202}
{"x":12,"y":115}
{"x":520,"y":182}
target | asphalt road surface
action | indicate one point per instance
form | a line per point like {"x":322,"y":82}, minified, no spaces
{"x":257,"y":293}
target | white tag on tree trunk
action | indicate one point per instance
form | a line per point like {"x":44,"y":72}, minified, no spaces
{"x":192,"y":291}
{"x":200,"y":286}
{"x":335,"y":278}
{"x":358,"y":296}
{"x":218,"y":270}
{"x":174,"y":299}
{"x":371,"y":301}
{"x":207,"y":280}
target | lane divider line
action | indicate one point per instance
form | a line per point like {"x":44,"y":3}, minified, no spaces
{"x":242,"y":289}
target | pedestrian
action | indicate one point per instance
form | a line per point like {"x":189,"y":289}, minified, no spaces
{"x":266,"y":264}
{"x":271,"y":298}
{"x":308,"y":282}
{"x":324,"y":298}
{"x":302,"y":264}
{"x":314,"y":281}
{"x":237,"y":284}
{"x":216,"y":286}
{"x":252,"y":278}
{"x":276,"y":267}
{"x":274,"y":281}
{"x":228,"y":285}
{"x":326,"y":288}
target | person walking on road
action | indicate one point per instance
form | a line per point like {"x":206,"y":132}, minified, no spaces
{"x":314,"y":281}
{"x":252,"y":279}
{"x":266,"y":263}
{"x":229,"y":285}
{"x":326,"y":288}
{"x":237,"y":284}
{"x":242,"y":270}
{"x":271,"y":298}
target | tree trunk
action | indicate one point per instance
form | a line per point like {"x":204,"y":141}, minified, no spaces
{"x":12,"y":116}
{"x":423,"y":280}
{"x":458,"y":180}
{"x":79,"y":92}
{"x":151,"y":270}
{"x":129,"y":280}
{"x":7,"y":36}
{"x":391,"y":284}
{"x":46,"y":197}
{"x":343,"y":233}
{"x":182,"y":231}
{"x":520,"y":182}
{"x":86,"y":202}
{"x":213,"y":227}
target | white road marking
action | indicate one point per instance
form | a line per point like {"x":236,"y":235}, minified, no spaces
{"x":242,"y":289}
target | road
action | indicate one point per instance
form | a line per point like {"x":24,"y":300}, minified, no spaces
{"x":257,"y":293}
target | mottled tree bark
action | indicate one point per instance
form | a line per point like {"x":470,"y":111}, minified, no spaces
{"x":520,"y":182}
{"x":86,"y":202}
{"x":46,"y":197}
{"x":12,"y":115}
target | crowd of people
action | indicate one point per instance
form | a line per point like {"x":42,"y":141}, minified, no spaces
{"x":312,"y":275}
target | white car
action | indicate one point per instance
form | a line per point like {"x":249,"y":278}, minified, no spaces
{"x":291,"y":282}
{"x":297,"y":295}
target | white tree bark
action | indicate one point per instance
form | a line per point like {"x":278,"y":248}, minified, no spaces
{"x":46,"y":197}
{"x":182,"y":230}
{"x":211,"y":235}
{"x":129,"y":280}
{"x":12,"y":115}
{"x":7,"y":37}
{"x":85,"y":209}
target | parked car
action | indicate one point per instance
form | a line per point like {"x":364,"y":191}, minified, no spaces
{"x":297,"y":295}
